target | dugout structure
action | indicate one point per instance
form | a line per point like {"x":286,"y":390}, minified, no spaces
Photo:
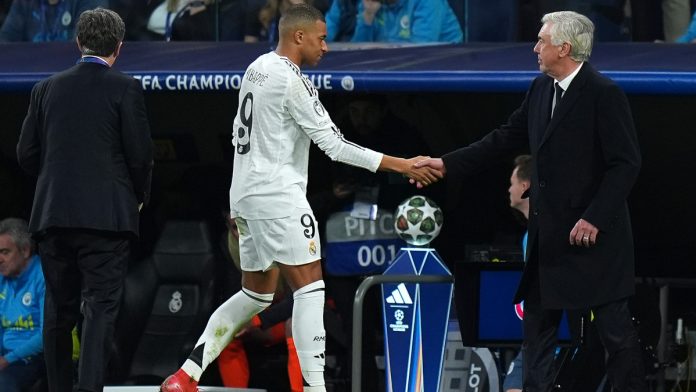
{"x":461,"y":91}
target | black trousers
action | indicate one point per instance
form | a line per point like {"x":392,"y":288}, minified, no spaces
{"x":84,"y":272}
{"x":625,"y":369}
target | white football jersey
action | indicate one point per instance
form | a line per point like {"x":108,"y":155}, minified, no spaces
{"x":279,"y":113}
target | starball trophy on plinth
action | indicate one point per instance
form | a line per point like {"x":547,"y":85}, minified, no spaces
{"x":416,"y":314}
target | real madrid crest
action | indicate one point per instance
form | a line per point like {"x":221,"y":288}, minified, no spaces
{"x":26,"y":299}
{"x":175,"y":303}
{"x":312,"y":248}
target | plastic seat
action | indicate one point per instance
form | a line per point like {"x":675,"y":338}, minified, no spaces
{"x":168,"y":298}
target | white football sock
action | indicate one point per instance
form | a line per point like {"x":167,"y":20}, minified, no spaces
{"x":224,"y":323}
{"x":309,"y":335}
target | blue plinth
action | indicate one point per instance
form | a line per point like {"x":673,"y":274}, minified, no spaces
{"x":415,"y":322}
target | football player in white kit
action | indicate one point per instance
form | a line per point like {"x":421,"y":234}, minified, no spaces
{"x":279,"y":114}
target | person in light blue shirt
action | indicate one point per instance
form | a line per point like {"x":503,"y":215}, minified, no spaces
{"x":21,"y":308}
{"x":406,"y":21}
{"x":45,"y":20}
{"x":689,"y":37}
{"x":520,"y":182}
{"x":340,"y":20}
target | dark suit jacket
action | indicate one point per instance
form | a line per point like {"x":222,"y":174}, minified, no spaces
{"x":586,"y":159}
{"x":87,"y":138}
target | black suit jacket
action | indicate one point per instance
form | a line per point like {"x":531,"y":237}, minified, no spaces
{"x":87,"y":138}
{"x":586,"y":159}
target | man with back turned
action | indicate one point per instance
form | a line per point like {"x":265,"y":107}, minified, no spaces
{"x":87,"y":138}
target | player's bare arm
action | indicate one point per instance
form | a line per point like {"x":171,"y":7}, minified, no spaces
{"x":422,"y":175}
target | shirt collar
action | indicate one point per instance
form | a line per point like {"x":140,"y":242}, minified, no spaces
{"x":22,"y":275}
{"x":93,"y":59}
{"x":565,"y":83}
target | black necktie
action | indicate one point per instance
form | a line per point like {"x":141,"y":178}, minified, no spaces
{"x":559,"y":95}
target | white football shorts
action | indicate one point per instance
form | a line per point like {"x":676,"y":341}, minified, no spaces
{"x":292,"y":240}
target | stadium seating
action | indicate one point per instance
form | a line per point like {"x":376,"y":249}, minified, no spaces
{"x":167,"y":301}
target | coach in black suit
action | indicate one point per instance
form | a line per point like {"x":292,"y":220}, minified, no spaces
{"x":87,"y":138}
{"x":579,"y":129}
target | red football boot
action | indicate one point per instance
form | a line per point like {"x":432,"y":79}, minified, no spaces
{"x":179,"y":382}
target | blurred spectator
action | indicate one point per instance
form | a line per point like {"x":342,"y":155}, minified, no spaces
{"x":340,"y":20}
{"x":406,"y":21}
{"x":200,"y":20}
{"x":45,"y":20}
{"x":520,"y":182}
{"x":135,"y":14}
{"x":264,"y":27}
{"x":690,"y":35}
{"x":646,"y":21}
{"x":675,"y":18}
{"x":161,"y":19}
{"x":263,"y":17}
{"x":658,"y":20}
{"x":608,"y":16}
{"x":21,"y":308}
{"x":4,"y":9}
{"x":210,"y":20}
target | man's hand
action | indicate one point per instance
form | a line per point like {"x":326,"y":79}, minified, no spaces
{"x":371,"y":7}
{"x":3,"y":363}
{"x":435,"y":164}
{"x":423,"y":175}
{"x":584,"y":234}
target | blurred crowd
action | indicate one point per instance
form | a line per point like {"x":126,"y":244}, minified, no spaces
{"x":399,"y":21}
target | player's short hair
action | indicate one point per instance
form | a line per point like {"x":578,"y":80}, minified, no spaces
{"x":574,"y":28}
{"x":18,"y":230}
{"x":100,"y":31}
{"x":298,"y":16}
{"x":523,"y":163}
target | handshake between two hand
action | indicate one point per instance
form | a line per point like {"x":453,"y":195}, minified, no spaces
{"x":423,"y":171}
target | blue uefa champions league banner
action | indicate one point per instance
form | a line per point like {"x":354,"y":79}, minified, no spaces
{"x":415,"y":322}
{"x":356,"y":246}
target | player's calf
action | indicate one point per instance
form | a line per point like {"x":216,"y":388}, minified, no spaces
{"x":309,"y":335}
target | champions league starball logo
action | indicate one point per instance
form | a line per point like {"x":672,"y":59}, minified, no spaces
{"x":398,"y":324}
{"x":399,"y":316}
{"x":400,"y":299}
